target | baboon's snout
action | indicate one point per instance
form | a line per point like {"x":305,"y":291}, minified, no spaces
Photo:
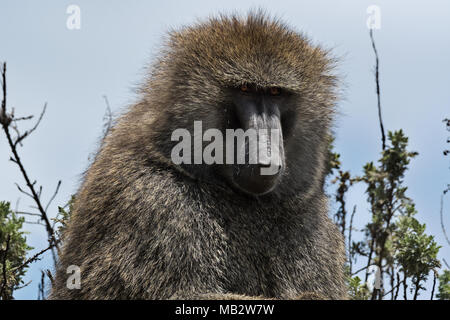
{"x":260,"y":170}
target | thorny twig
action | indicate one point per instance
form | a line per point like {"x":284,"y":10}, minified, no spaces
{"x":5,"y":121}
{"x":36,"y":257}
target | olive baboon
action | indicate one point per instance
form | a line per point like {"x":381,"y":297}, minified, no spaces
{"x":145,"y":228}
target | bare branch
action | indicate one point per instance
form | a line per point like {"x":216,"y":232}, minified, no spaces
{"x":54,"y":195}
{"x":40,"y":192}
{"x":23,"y":118}
{"x":28,"y":132}
{"x":5,"y":121}
{"x":23,"y":286}
{"x":398,"y":286}
{"x":107,"y":118}
{"x":350,"y":230}
{"x":364,"y":268}
{"x":37,"y":222}
{"x":394,"y":287}
{"x":17,"y":205}
{"x":442,"y":218}
{"x":435,"y":275}
{"x":41,"y":286}
{"x":377,"y":81}
{"x":447,"y":265}
{"x":23,"y":191}
{"x":17,"y":132}
{"x":28,"y":213}
{"x":49,"y":275}
{"x":36,"y":257}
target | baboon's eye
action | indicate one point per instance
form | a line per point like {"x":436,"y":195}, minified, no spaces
{"x":274,"y":91}
{"x":245,"y":88}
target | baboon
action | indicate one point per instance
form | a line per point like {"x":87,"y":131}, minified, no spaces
{"x":144,"y":227}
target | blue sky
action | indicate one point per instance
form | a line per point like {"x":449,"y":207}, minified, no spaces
{"x":72,"y":69}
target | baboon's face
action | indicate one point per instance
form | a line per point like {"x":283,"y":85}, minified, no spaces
{"x":262,"y":121}
{"x":247,"y":74}
{"x":258,"y":110}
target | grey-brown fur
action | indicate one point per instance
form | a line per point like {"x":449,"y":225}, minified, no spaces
{"x":143,"y":228}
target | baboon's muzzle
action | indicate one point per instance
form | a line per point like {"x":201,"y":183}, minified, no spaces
{"x":263,"y":148}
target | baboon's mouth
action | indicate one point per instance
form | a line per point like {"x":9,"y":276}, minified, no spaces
{"x":249,"y":179}
{"x":261,"y":176}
